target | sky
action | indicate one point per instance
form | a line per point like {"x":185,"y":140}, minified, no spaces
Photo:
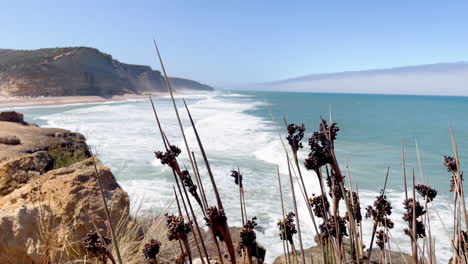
{"x":233,"y":43}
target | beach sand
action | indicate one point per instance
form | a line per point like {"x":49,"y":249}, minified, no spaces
{"x":11,"y":102}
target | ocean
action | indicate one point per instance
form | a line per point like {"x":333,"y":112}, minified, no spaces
{"x":238,"y":132}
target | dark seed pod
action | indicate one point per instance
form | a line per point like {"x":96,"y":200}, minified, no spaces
{"x":408,"y":217}
{"x":355,"y":206}
{"x":295,"y":135}
{"x":287,"y":228}
{"x":192,"y":188}
{"x":426,"y":191}
{"x":95,"y":245}
{"x":168,"y":157}
{"x":329,"y":227}
{"x":382,"y":238}
{"x":151,"y":249}
{"x":380,"y":212}
{"x":217,"y":220}
{"x":237,"y":177}
{"x":321,"y":144}
{"x":333,"y":184}
{"x":247,"y":235}
{"x":450,"y":163}
{"x":177,"y":228}
{"x":320,"y":205}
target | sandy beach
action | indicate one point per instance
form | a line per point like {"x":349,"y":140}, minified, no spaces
{"x":11,"y":102}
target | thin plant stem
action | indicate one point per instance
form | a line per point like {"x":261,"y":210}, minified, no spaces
{"x":187,"y":248}
{"x":414,"y":235}
{"x":227,"y":238}
{"x":106,"y":209}
{"x":374,"y":229}
{"x":297,"y":213}
{"x":283,"y":213}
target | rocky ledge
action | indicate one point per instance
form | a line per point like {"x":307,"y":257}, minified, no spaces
{"x":49,"y":193}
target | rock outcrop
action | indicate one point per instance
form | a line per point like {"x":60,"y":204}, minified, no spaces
{"x":49,"y":195}
{"x":78,"y":71}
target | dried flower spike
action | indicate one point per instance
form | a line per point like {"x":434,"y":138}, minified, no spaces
{"x":177,"y":228}
{"x":328,"y":227}
{"x":321,"y":143}
{"x":237,"y":177}
{"x":192,"y":188}
{"x":217,"y":220}
{"x":334,"y":187}
{"x":168,"y":157}
{"x":151,"y":250}
{"x":426,"y":191}
{"x":408,"y":217}
{"x":382,"y":238}
{"x":380,"y":211}
{"x":450,"y":163}
{"x":247,"y":234}
{"x":295,"y":135}
{"x":356,"y":206}
{"x":320,"y":205}
{"x":97,"y":246}
{"x":287,"y":228}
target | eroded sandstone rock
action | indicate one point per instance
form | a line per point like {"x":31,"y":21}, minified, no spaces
{"x":49,"y":195}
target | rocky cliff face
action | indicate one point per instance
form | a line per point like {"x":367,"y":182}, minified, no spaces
{"x":78,"y":71}
{"x":49,"y":195}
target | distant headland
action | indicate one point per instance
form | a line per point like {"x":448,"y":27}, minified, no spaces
{"x":79,"y":71}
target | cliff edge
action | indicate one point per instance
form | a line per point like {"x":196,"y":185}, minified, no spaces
{"x":78,"y":71}
{"x":49,"y":195}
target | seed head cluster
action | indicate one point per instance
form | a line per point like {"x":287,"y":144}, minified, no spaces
{"x":295,"y":135}
{"x":247,"y":235}
{"x":95,"y":245}
{"x":320,"y":205}
{"x":408,"y":217}
{"x":216,"y":218}
{"x":334,"y":187}
{"x":353,"y":199}
{"x":426,"y":191}
{"x":151,"y":250}
{"x":451,"y":165}
{"x":177,"y":228}
{"x":287,"y":228}
{"x":382,"y":238}
{"x":333,"y":227}
{"x":321,"y":143}
{"x":237,"y":177}
{"x":192,"y":188}
{"x":380,"y":212}
{"x":168,"y":157}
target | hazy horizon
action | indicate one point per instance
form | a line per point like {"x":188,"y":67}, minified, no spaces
{"x":231,"y":44}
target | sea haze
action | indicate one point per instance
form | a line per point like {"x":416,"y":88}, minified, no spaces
{"x":448,"y":79}
{"x":237,"y":131}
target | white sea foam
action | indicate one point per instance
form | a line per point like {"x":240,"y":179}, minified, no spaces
{"x":125,"y":135}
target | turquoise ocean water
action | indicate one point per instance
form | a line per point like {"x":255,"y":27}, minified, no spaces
{"x":238,"y":132}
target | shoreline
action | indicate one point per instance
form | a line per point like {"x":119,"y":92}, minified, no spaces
{"x":18,"y":102}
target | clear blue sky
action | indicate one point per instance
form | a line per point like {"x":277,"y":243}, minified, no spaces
{"x":227,"y":43}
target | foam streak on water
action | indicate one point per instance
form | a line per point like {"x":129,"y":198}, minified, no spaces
{"x":236,"y":132}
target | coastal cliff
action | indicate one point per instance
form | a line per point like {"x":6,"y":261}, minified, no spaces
{"x":78,"y":71}
{"x":49,"y":196}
